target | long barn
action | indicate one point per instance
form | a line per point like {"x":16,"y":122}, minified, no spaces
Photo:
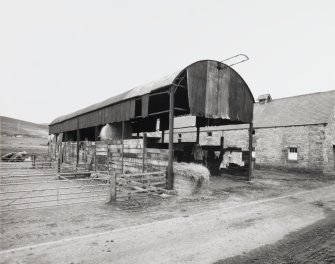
{"x":209,"y":90}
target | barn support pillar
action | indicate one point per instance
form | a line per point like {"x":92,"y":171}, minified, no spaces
{"x":250,"y":151}
{"x":78,"y":141}
{"x":122,"y":138}
{"x":197,"y":140}
{"x":171,"y":120}
{"x":144,"y":151}
{"x":96,"y":137}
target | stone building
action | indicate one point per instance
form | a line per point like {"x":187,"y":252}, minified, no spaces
{"x":294,"y":133}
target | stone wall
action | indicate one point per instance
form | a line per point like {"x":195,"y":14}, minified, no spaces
{"x":272,"y":146}
{"x":314,"y":145}
{"x":329,"y":146}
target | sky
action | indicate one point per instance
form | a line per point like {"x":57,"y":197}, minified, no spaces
{"x":59,"y":56}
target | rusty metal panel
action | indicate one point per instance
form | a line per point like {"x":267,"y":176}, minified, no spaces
{"x":212,"y":91}
{"x":224,"y":80}
{"x":216,"y":91}
{"x":196,"y":80}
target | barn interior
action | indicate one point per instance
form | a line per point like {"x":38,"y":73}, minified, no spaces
{"x":210,"y":90}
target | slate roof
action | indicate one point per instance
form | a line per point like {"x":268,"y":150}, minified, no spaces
{"x":298,"y":110}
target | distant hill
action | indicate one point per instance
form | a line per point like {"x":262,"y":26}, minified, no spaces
{"x":15,"y":127}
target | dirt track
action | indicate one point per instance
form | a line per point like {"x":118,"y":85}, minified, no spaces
{"x":312,"y":244}
{"x":201,"y":238}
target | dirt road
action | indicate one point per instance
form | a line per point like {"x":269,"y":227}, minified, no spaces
{"x":200,"y":238}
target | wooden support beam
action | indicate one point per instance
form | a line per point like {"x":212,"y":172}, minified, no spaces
{"x":112,"y":187}
{"x":108,"y":155}
{"x":197,"y":140}
{"x":144,"y":151}
{"x":96,"y":133}
{"x":96,"y":137}
{"x":78,"y":141}
{"x":171,"y":123}
{"x":163,"y":134}
{"x":250,"y":152}
{"x":122,"y":136}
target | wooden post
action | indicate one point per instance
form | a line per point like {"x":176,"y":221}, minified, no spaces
{"x":222,"y":143}
{"x":55,"y":146}
{"x":122,"y":147}
{"x":108,"y":155}
{"x":163,"y":134}
{"x":171,"y":120}
{"x":250,"y":151}
{"x":96,"y":133}
{"x":78,"y":139}
{"x":96,"y":137}
{"x":58,"y":166}
{"x":112,"y":186}
{"x":34,"y":160}
{"x":197,"y":140}
{"x":144,"y":151}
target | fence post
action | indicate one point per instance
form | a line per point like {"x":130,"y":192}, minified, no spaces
{"x":122,"y":158}
{"x":112,"y":186}
{"x":144,"y":151}
{"x":58,"y":166}
{"x":108,"y":155}
{"x":33,"y":160}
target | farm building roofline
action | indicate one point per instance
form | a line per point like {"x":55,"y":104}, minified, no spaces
{"x":125,"y":106}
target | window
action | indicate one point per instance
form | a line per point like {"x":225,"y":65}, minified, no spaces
{"x":292,"y":154}
{"x":209,"y":134}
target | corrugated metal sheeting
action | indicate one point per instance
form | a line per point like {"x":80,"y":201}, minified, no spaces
{"x":115,"y":113}
{"x":217,"y":91}
{"x":214,"y":91}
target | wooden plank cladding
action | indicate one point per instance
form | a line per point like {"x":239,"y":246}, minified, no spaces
{"x":226,"y":95}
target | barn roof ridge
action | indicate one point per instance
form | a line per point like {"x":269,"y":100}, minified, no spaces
{"x":299,"y":95}
{"x":134,"y":92}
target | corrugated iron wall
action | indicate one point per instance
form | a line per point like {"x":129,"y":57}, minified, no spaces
{"x":122,"y":111}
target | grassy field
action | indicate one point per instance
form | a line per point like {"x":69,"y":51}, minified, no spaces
{"x":17,"y":135}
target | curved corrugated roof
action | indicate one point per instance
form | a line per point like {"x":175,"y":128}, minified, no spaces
{"x":137,"y":91}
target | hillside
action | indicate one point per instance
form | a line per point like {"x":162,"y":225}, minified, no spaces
{"x":18,"y":135}
{"x":13,"y":127}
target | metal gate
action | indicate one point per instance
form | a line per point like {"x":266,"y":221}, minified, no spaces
{"x":28,"y":185}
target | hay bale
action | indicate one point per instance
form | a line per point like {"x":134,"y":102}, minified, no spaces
{"x":190,"y":178}
{"x":106,"y":132}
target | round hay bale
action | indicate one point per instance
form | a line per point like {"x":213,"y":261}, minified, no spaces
{"x":190,"y":178}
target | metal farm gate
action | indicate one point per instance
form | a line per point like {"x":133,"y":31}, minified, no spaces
{"x":42,"y":184}
{"x":25,"y":185}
